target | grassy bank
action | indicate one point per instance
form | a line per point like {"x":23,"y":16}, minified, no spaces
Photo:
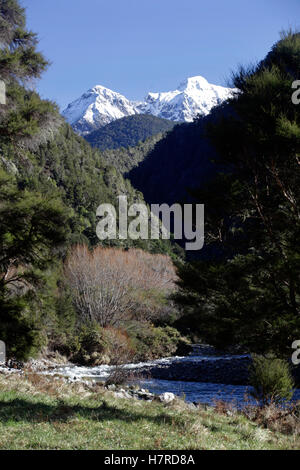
{"x":41,"y":413}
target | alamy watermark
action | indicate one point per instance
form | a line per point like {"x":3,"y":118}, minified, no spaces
{"x":296,"y":354}
{"x":296,"y":94}
{"x":2,"y":92}
{"x":2,"y":352}
{"x":138,"y":222}
{"x":296,"y":101}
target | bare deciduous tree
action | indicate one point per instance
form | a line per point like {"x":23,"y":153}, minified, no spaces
{"x":104,"y":281}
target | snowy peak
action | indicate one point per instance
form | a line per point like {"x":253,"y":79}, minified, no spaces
{"x":193,"y":96}
{"x":100,"y":106}
{"x":194,"y":83}
{"x":96,"y":108}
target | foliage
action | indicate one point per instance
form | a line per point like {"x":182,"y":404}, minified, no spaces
{"x":31,"y":228}
{"x":128,"y":131}
{"x":91,"y":344}
{"x":32,"y":232}
{"x":87,"y":346}
{"x":127,"y":158}
{"x":154,"y":342}
{"x":115,"y":295}
{"x":19,"y":332}
{"x":271,"y":380}
{"x":245,"y":289}
{"x":19,"y":59}
{"x":24,"y":116}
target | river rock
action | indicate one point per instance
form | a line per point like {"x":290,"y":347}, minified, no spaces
{"x":167,"y":397}
{"x":145,"y":395}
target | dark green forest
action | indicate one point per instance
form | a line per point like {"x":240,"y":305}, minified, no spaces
{"x":246,"y":288}
{"x":181,"y":161}
{"x":127,"y":158}
{"x":128,"y":131}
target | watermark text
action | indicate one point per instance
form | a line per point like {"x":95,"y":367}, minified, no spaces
{"x":136,"y":221}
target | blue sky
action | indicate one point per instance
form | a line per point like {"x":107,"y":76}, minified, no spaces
{"x":136,"y":46}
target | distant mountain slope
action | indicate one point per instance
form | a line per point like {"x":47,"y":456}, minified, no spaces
{"x":99,"y":106}
{"x":96,"y":108}
{"x":128,"y":131}
{"x":181,"y":161}
{"x":127,"y":158}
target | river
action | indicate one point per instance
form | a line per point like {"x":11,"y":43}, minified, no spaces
{"x":200,"y":390}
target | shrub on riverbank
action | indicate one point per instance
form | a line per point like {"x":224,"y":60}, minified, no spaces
{"x":93,"y":345}
{"x":271,"y":380}
{"x":154,"y":342}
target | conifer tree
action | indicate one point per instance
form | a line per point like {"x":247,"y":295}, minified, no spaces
{"x":32,"y":225}
{"x":247,"y":289}
{"x":20,"y":65}
{"x":19,"y":59}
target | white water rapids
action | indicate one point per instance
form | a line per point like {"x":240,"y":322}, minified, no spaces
{"x":208,"y":393}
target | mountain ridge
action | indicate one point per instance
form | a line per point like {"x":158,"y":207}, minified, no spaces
{"x":99,"y":106}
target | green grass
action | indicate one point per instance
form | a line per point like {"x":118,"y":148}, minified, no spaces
{"x":46,"y":414}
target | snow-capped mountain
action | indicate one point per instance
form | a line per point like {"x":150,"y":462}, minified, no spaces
{"x":192,"y":97}
{"x":96,"y":108}
{"x":100,"y":106}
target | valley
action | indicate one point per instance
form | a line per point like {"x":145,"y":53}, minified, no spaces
{"x":113,"y":332}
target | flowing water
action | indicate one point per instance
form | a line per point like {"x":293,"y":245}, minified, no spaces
{"x":209,"y":393}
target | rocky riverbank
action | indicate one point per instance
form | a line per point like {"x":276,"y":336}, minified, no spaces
{"x":119,"y":391}
{"x":204,"y":364}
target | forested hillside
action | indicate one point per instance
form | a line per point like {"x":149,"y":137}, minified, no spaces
{"x":167,"y":165}
{"x":247,"y":291}
{"x":127,"y":158}
{"x":128,"y":131}
{"x":52,"y":182}
{"x":82,"y":177}
{"x":182,"y":160}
